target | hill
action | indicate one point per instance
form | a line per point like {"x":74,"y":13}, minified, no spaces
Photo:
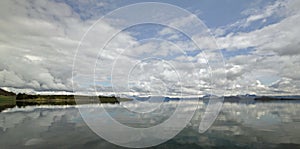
{"x":6,"y":93}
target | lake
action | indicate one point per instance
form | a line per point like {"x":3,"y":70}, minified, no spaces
{"x":238,"y":125}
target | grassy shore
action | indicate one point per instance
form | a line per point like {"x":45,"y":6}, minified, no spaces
{"x":7,"y":100}
{"x":22,"y":100}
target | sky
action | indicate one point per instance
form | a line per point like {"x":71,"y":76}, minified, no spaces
{"x":43,"y":50}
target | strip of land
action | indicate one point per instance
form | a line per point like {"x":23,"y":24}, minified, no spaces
{"x":9,"y":99}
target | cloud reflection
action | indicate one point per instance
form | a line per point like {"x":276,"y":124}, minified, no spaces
{"x":238,"y":125}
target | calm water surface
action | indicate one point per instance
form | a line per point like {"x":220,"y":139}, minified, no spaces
{"x":239,"y":125}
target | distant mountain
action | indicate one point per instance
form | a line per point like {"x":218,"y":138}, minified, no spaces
{"x":270,"y":98}
{"x":6,"y":93}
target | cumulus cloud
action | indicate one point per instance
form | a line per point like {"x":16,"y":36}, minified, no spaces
{"x":36,"y":48}
{"x":39,"y":41}
{"x":274,"y":49}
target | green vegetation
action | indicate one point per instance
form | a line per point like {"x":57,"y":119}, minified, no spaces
{"x":67,"y":99}
{"x":7,"y":102}
{"x":9,"y":99}
{"x":23,"y":96}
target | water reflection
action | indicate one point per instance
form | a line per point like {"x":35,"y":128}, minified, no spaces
{"x":259,"y":125}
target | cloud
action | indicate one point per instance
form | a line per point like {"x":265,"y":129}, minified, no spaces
{"x":274,"y":53}
{"x":263,"y":13}
{"x":39,"y":41}
{"x":36,"y":48}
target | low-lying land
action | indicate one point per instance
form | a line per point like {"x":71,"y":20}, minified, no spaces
{"x":9,"y":99}
{"x":7,"y":102}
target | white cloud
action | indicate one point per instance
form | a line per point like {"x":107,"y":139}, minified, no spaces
{"x":275,"y":51}
{"x":263,"y":13}
{"x":39,"y":40}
